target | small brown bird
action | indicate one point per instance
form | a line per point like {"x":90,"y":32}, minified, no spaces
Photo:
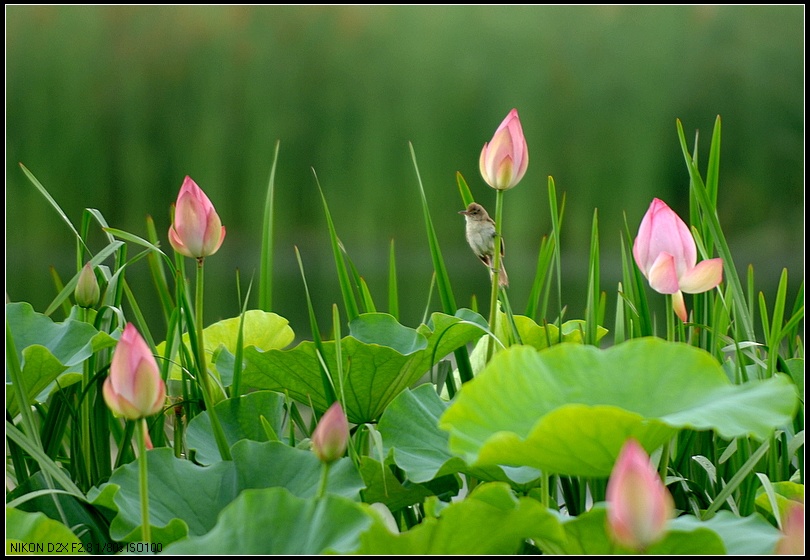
{"x":481,"y":237}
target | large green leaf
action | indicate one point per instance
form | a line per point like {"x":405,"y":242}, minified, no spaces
{"x":491,"y":520}
{"x":383,"y":487}
{"x":49,"y":349}
{"x":71,"y":342}
{"x":28,"y":533}
{"x":35,"y":496}
{"x":786,"y":493}
{"x":240,"y":418}
{"x":262,"y":329}
{"x":587,"y":534}
{"x":543,"y":336}
{"x":274,"y":521}
{"x":569,"y":409}
{"x":410,"y":430}
{"x":271,"y":463}
{"x":381,"y":358}
{"x":185,"y":499}
{"x":742,"y":536}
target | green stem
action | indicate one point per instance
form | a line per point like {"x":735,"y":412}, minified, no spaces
{"x":670,"y":320}
{"x":143,"y":472}
{"x":544,"y":488}
{"x":202,"y":368}
{"x":178,"y":432}
{"x":86,"y":413}
{"x":496,"y":276}
{"x":324,"y":478}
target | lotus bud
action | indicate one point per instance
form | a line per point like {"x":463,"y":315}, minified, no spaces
{"x":134,"y":388}
{"x":504,"y":159}
{"x":197,"y":231}
{"x":792,"y":541}
{"x":87,"y":292}
{"x":665,"y":252}
{"x":639,"y":504}
{"x":331,"y":435}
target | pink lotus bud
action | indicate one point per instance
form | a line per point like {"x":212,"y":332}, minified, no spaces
{"x":792,"y":541}
{"x":666,"y":254}
{"x":639,"y":504}
{"x":87,"y":291}
{"x":331,"y":435}
{"x":505,"y":158}
{"x":197,"y":230}
{"x":134,"y":388}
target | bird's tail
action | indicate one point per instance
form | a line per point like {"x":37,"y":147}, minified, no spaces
{"x":503,"y":279}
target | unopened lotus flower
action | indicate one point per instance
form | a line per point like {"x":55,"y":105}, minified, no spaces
{"x":792,"y":541}
{"x":666,"y":254}
{"x":331,"y":435}
{"x":87,"y":291}
{"x":639,"y":504}
{"x":505,"y":158}
{"x":197,"y":231}
{"x":134,"y":388}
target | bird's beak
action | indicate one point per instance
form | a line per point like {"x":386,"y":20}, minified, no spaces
{"x":463,"y":212}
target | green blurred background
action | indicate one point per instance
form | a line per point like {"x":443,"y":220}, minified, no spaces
{"x":110,"y":107}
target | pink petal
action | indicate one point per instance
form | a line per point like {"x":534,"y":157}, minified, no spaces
{"x":669,"y":234}
{"x":705,"y":276}
{"x":639,"y":503}
{"x":793,"y":530}
{"x":662,"y":274}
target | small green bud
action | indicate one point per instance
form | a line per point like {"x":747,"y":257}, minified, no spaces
{"x":87,"y":291}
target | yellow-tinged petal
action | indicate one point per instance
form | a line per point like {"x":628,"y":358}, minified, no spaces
{"x":705,"y":276}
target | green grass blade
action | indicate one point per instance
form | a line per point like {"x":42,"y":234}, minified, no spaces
{"x":158,"y":273}
{"x":53,"y":202}
{"x":393,"y":291}
{"x":542,"y":280}
{"x":736,"y":480}
{"x":45,"y":462}
{"x":775,"y":340}
{"x":618,"y":328}
{"x":100,"y":220}
{"x":338,"y":352}
{"x":716,"y":234}
{"x":366,"y":301}
{"x":236,"y":387}
{"x":713,"y":175}
{"x":464,"y":190}
{"x":266,"y":262}
{"x":349,"y":300}
{"x":592,"y":316}
{"x":763,"y":315}
{"x":140,"y":321}
{"x":635,"y":283}
{"x":442,"y":278}
{"x":326,"y":376}
{"x":67,"y":291}
{"x":60,"y":287}
{"x":365,"y":294}
{"x":556,"y":224}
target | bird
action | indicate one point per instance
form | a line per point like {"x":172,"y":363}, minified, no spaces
{"x":481,"y":237}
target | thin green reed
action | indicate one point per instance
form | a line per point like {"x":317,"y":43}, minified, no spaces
{"x":706,"y":204}
{"x":349,"y":299}
{"x":442,"y":278}
{"x":266,"y":257}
